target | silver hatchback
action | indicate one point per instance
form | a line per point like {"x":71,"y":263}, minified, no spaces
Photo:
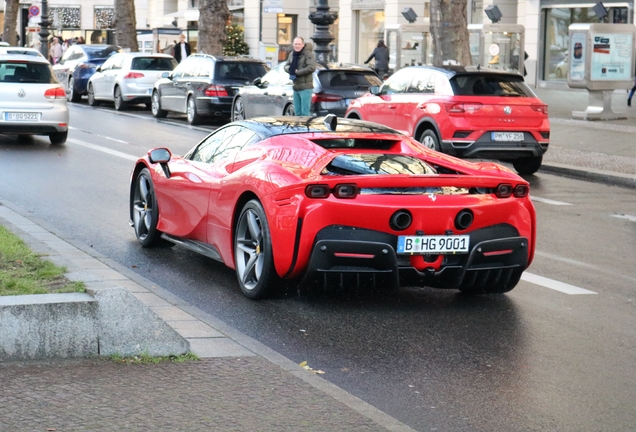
{"x":32,"y":101}
{"x":128,"y":78}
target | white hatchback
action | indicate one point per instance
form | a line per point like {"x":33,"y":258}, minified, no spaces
{"x":128,"y":78}
{"x":32,"y":101}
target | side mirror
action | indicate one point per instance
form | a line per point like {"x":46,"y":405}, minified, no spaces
{"x":98,"y":69}
{"x":257,"y":82}
{"x":159,"y":155}
{"x":374,"y":90}
{"x":166,"y":75}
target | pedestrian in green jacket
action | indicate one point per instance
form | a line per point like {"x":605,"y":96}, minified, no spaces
{"x":301,"y":64}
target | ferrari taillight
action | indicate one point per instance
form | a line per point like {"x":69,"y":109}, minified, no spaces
{"x":521,"y":191}
{"x":345,"y":191}
{"x":55,"y":93}
{"x":317,"y":191}
{"x":216,"y":91}
{"x":503,"y":190}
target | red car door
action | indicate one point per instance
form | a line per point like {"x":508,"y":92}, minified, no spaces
{"x":412,"y":103}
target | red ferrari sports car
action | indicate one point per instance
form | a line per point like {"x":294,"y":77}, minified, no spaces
{"x":337,"y":201}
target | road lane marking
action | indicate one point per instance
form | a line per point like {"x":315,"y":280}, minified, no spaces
{"x":598,"y":269}
{"x":549,"y":201}
{"x":554,"y":285}
{"x":625,"y":216}
{"x":103,"y":149}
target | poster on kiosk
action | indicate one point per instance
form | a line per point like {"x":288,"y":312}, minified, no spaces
{"x":601,"y":60}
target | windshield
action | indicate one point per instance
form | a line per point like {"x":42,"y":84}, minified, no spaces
{"x":40,"y":73}
{"x":101,"y":52}
{"x":490,"y":85}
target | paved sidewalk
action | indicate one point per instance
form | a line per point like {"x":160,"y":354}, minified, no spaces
{"x":603,"y":151}
{"x":239,"y":384}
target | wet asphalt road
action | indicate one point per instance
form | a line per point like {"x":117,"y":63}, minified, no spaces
{"x":535,"y":359}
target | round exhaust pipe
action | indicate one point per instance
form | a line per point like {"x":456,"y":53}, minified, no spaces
{"x":464,"y":219}
{"x":400,"y":220}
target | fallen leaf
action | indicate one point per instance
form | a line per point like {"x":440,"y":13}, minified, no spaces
{"x":302,"y":364}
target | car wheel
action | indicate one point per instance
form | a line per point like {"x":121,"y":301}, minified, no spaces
{"x":155,"y":106}
{"x":120,"y":104}
{"x":527,"y":165}
{"x":289,"y":110}
{"x":253,"y":252}
{"x":144,"y":211}
{"x":91,"y":96}
{"x":502,"y":286}
{"x":71,"y":94}
{"x":58,"y":138}
{"x":191,"y":112}
{"x":238,"y":110}
{"x":430,"y":140}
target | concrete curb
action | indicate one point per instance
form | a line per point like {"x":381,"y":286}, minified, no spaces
{"x":590,"y":174}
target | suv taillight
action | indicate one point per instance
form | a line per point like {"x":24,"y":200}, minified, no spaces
{"x":55,"y":93}
{"x":540,"y":108}
{"x":323,"y":97}
{"x":459,"y":108}
{"x":216,"y":91}
{"x":133,"y":75}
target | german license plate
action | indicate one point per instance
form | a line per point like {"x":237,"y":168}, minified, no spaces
{"x":507,"y":136}
{"x":21,"y":116}
{"x":433,"y":244}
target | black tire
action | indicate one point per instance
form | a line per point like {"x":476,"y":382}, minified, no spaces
{"x":253,"y":254}
{"x":120,"y":103}
{"x":58,"y":138}
{"x":238,"y":109}
{"x":91,"y":96}
{"x":71,"y":94}
{"x":191,"y":112}
{"x":430,"y":140}
{"x":289,"y":110}
{"x":155,"y":106}
{"x":503,"y":286}
{"x":144,"y":211}
{"x":527,"y":165}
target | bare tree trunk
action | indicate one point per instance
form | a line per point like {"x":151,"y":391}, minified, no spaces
{"x":9,"y":33}
{"x":213,"y":16}
{"x":125,"y":22}
{"x":449,"y":31}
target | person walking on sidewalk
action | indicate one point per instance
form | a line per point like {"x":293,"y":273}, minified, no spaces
{"x":381,"y":55}
{"x":182,"y":49}
{"x":301,"y":65}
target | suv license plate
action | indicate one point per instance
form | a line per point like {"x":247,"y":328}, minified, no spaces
{"x":507,"y":136}
{"x":441,"y":244}
{"x":21,"y":116}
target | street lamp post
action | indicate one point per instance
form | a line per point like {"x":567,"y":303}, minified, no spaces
{"x":44,"y":29}
{"x":322,"y":19}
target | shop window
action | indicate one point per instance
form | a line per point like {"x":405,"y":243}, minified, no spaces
{"x":370,"y":31}
{"x":285,"y":34}
{"x":65,"y":17}
{"x":104,"y":17}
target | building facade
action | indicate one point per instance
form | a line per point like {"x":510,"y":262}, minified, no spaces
{"x":360,"y":24}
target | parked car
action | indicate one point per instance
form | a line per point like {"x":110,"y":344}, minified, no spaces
{"x":32,"y":101}
{"x":463,"y":111}
{"x":204,"y":86}
{"x":338,"y":201}
{"x":334,"y":87}
{"x":20,"y":51}
{"x":563,"y":67}
{"x":78,"y":64}
{"x":128,"y":78}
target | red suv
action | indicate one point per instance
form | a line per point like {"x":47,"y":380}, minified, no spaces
{"x":463,"y":111}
